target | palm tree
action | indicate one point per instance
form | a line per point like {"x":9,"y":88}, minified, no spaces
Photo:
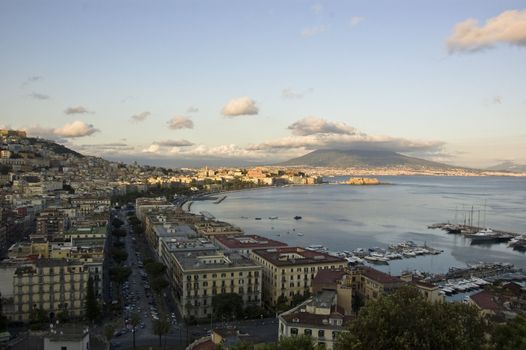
{"x":135,"y":319}
{"x":161,"y":327}
{"x":109,"y":330}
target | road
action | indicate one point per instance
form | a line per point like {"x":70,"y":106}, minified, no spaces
{"x":140,"y":300}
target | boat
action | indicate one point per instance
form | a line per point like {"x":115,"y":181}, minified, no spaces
{"x":485,"y":235}
{"x":300,"y":234}
{"x":272,"y":217}
{"x":257,"y":218}
{"x":297,"y":217}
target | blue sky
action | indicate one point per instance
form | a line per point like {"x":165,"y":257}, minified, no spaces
{"x":314,"y":74}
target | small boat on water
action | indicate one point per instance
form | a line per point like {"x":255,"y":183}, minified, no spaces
{"x":257,"y":218}
{"x":300,"y":234}
{"x":272,"y":217}
{"x":297,"y":217}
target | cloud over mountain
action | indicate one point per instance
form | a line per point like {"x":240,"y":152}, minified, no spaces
{"x":317,"y":133}
{"x":508,"y":27}
{"x":180,"y":122}
{"x":316,"y":125}
{"x":240,"y":106}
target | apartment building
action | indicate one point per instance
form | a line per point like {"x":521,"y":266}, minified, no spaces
{"x":50,"y":223}
{"x":370,"y":284}
{"x":52,"y":285}
{"x":198,"y":276}
{"x":290,"y":270}
{"x":320,"y":318}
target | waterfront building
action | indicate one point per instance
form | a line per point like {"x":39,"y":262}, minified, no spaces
{"x":198,"y":276}
{"x":288,"y":271}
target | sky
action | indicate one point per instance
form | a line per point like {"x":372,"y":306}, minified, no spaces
{"x":264,"y":81}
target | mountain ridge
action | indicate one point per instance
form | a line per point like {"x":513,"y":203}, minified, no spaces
{"x":333,"y":158}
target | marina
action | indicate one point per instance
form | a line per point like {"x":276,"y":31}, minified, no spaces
{"x":482,"y":235}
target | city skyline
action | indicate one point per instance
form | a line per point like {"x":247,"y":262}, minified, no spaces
{"x":265,"y":82}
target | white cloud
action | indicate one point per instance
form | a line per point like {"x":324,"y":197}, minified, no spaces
{"x":75,"y":129}
{"x":39,"y":96}
{"x":508,"y":27}
{"x":180,"y":122}
{"x":355,"y":20}
{"x":192,"y":109}
{"x":76,"y":110}
{"x":312,"y":31}
{"x":240,"y":106}
{"x":137,"y":118}
{"x":153,"y":148}
{"x":317,"y":133}
{"x":316,"y":125}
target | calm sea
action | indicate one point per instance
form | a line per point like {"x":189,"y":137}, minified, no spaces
{"x":343,"y":217}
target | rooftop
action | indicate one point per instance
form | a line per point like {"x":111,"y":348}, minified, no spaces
{"x":287,"y":256}
{"x":327,"y":276}
{"x":379,"y":276}
{"x":484,"y":300}
{"x":248,"y":241}
{"x":211,"y":259}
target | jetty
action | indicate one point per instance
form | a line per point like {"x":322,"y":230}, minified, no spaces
{"x":220,"y":200}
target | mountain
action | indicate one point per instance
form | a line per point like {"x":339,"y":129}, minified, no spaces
{"x":52,"y":146}
{"x":361,"y":159}
{"x":509,"y":166}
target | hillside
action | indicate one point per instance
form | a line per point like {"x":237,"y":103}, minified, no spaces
{"x":361,"y":159}
{"x":509,"y":166}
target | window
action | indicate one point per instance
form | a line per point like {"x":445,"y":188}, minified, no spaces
{"x":321,"y":333}
{"x":63,"y":348}
{"x":293,"y":331}
{"x":307,"y":332}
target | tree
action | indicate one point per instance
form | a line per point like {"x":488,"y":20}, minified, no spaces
{"x":158,"y":284}
{"x":109,"y":330}
{"x":91,"y":304}
{"x":3,"y":319}
{"x":120,"y":274}
{"x":227,"y":306}
{"x":161,"y":327}
{"x":299,"y":298}
{"x":155,"y":268}
{"x":405,"y":320}
{"x":119,"y":255}
{"x":116,"y":222}
{"x":119,"y":233}
{"x":510,"y":336}
{"x":135,"y":319}
{"x":286,"y":343}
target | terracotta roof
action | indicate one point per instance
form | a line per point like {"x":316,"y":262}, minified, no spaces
{"x":249,"y":241}
{"x":278,"y":256}
{"x":327,"y":276}
{"x":484,"y":300}
{"x":379,"y":276}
